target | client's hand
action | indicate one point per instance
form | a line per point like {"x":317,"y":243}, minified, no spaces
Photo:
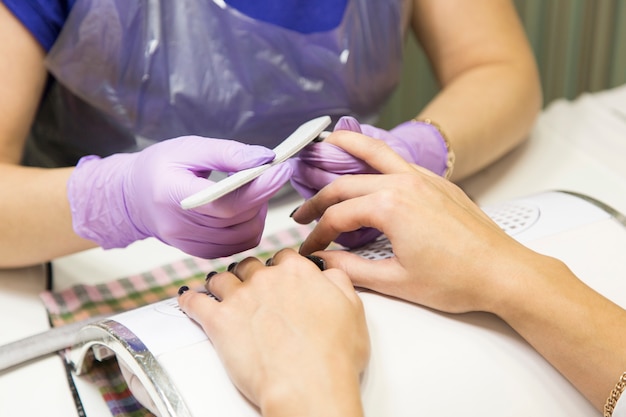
{"x":292,"y":338}
{"x":443,"y":243}
{"x":450,"y":256}
{"x":321,"y":163}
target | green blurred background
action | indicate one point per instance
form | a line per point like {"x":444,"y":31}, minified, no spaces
{"x":580,"y":46}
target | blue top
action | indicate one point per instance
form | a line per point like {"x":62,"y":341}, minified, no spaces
{"x":300,"y":16}
{"x":45,"y":18}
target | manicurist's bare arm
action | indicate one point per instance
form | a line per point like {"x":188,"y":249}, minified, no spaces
{"x":491,"y":92}
{"x":35,"y":222}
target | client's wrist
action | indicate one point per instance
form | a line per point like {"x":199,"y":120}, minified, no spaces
{"x":520,"y":287}
{"x":335,"y":393}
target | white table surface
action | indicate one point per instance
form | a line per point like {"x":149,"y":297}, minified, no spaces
{"x":575,"y":146}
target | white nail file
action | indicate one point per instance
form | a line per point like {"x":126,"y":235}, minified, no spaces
{"x":301,"y":137}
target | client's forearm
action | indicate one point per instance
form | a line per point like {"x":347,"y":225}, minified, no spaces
{"x":577,"y":330}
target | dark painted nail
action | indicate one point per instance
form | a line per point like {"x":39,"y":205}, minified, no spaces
{"x":232,"y":266}
{"x":294,"y":210}
{"x":269,"y":262}
{"x":210,"y":275}
{"x":321,"y":264}
{"x":182,"y":289}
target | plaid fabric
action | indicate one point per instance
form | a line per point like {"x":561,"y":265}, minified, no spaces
{"x":83,"y":301}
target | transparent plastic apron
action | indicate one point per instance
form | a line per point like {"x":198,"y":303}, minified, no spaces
{"x":130,"y":73}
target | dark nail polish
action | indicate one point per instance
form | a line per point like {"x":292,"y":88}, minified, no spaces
{"x":210,"y":275}
{"x":321,"y":264}
{"x":182,"y":289}
{"x":268,"y":262}
{"x":294,"y":210}
{"x":232,"y":266}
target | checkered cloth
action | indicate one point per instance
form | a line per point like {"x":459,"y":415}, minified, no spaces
{"x":83,"y":301}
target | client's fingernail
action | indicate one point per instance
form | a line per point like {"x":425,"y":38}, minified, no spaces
{"x":294,"y":211}
{"x":232,"y":266}
{"x":321,"y":264}
{"x":182,"y":289}
{"x":268,"y":262}
{"x":210,"y":275}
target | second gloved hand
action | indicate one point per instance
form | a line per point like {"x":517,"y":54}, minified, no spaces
{"x":127,"y":197}
{"x":320,"y":163}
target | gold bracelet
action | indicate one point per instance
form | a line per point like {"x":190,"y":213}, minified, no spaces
{"x":451,"y":155}
{"x":614,"y":396}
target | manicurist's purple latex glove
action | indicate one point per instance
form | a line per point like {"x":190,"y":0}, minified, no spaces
{"x":127,"y":197}
{"x":320,"y":163}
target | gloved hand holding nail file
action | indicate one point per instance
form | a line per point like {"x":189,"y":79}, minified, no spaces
{"x":163,"y":192}
{"x":306,"y":133}
{"x":128,"y":197}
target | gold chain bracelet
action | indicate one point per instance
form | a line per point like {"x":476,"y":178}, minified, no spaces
{"x":614,"y":396}
{"x":451,"y":158}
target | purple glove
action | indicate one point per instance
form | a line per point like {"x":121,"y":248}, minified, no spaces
{"x":320,"y":163}
{"x":127,"y":197}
